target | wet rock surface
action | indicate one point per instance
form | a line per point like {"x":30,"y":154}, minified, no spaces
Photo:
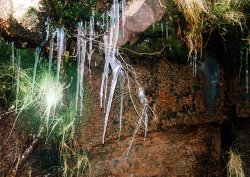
{"x":241,"y":135}
{"x":182,"y":139}
{"x":179,"y":151}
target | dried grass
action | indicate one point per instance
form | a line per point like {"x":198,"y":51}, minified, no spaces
{"x":192,"y":9}
{"x":214,"y":14}
{"x":229,"y":12}
{"x":235,"y":165}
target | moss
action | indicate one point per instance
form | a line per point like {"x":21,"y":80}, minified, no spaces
{"x":155,"y":39}
{"x":144,"y":47}
{"x":67,"y":13}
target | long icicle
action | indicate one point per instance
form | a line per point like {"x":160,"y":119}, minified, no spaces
{"x":111,"y":94}
{"x":247,"y":87}
{"x":123,"y":16}
{"x":110,"y":49}
{"x":122,"y":83}
{"x":82,"y":63}
{"x":37,"y":52}
{"x":241,"y":60}
{"x":105,"y":74}
{"x":78,"y":65}
{"x":195,"y":63}
{"x":103,"y":22}
{"x":143,"y":117}
{"x":91,"y":37}
{"x":13,"y":55}
{"x":162,"y":30}
{"x":51,"y":51}
{"x":18,"y":78}
{"x":60,"y":50}
{"x":107,"y":49}
{"x":166,"y":29}
{"x":47,"y":29}
{"x":107,"y":20}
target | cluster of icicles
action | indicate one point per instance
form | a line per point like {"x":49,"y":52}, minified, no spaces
{"x":114,"y":64}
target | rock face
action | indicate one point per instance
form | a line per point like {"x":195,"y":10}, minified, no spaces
{"x":140,"y":15}
{"x":178,"y":151}
{"x":20,"y":10}
{"x":19,"y":22}
{"x":182,"y":140}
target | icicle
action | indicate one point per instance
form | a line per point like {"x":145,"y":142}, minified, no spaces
{"x":81,"y":55}
{"x":91,"y":36}
{"x":111,"y":23}
{"x":107,"y":20}
{"x":241,"y":60}
{"x":60,"y":50}
{"x":115,"y":27}
{"x":143,"y":117}
{"x":18,"y":78}
{"x":110,"y":60}
{"x":47,"y":29}
{"x":247,"y":87}
{"x":93,"y":23}
{"x":13,"y":55}
{"x":166,"y":30}
{"x":162,"y":30}
{"x":51,"y":47}
{"x":78,"y":65}
{"x":105,"y":74}
{"x":115,"y":74}
{"x":122,"y":83}
{"x":103,"y":22}
{"x":82,"y":62}
{"x":193,"y":62}
{"x":144,"y":114}
{"x":37,"y":52}
{"x":123,"y":15}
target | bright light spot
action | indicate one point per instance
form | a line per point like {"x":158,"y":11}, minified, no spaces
{"x":51,"y":97}
{"x":51,"y":94}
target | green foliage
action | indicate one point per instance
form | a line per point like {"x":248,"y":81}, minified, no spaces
{"x":6,"y":73}
{"x":176,"y":50}
{"x":32,"y":111}
{"x":5,"y":52}
{"x":154,"y":39}
{"x":67,"y":13}
{"x":6,"y":81}
{"x":144,"y":47}
{"x":194,"y":19}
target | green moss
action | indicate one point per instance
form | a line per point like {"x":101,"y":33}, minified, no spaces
{"x":155,"y":40}
{"x":144,"y":47}
{"x":67,"y":13}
